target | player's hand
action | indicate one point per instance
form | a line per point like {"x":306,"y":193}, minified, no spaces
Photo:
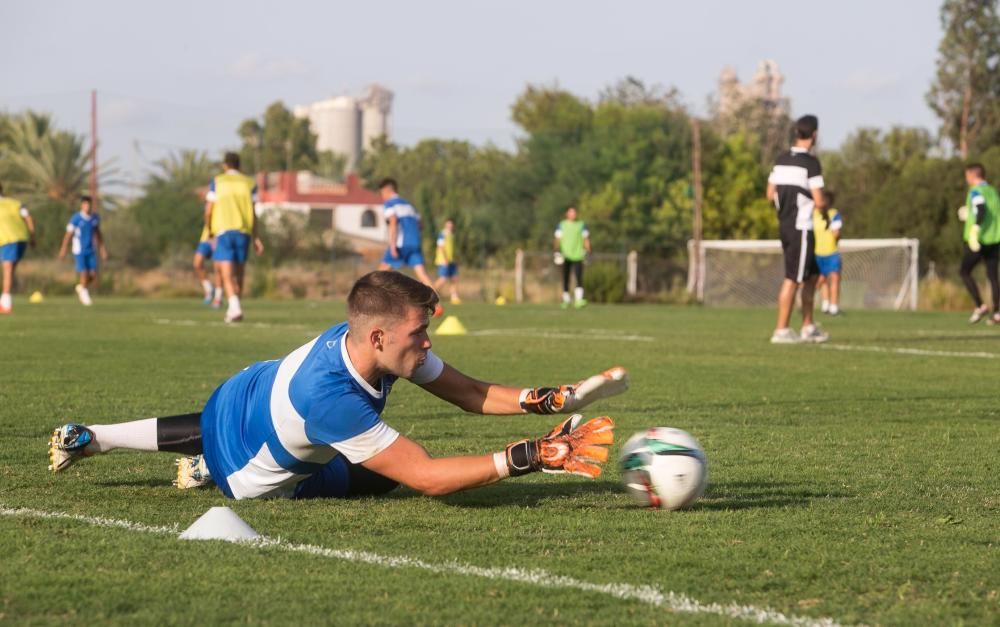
{"x":571,"y":398}
{"x":974,"y":245}
{"x":104,"y":254}
{"x":558,"y":258}
{"x":394,"y":252}
{"x":258,"y":246}
{"x":963,"y":213}
{"x":568,"y":448}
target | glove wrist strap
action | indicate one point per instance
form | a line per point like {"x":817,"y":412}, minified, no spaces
{"x":522,"y":458}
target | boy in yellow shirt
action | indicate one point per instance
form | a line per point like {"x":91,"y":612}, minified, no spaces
{"x":17,"y":230}
{"x":826,"y":227}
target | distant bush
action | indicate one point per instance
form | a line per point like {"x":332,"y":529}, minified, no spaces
{"x":604,"y":283}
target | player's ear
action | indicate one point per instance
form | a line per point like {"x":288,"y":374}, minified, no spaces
{"x":376,"y":336}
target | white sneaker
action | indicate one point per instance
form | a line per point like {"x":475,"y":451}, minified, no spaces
{"x":84,"y":295}
{"x":233,"y":317}
{"x":813,"y":334}
{"x":192,"y":473}
{"x":977,"y":314}
{"x":784,"y":336}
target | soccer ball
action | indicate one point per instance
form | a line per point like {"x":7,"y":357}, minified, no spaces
{"x":664,"y":468}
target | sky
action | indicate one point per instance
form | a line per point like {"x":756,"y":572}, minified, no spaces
{"x":184,"y":74}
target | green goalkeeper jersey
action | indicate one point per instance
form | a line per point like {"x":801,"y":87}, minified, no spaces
{"x":983,"y":203}
{"x":571,"y":234}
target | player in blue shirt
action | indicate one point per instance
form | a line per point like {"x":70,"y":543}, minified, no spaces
{"x":405,"y":247}
{"x":309,"y":425}
{"x":84,"y":229}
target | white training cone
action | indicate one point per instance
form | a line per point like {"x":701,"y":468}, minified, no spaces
{"x":219,"y":523}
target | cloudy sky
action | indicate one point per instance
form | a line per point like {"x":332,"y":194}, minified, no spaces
{"x":183,"y":74}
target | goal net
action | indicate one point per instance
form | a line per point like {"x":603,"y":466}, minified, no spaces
{"x":877,"y":274}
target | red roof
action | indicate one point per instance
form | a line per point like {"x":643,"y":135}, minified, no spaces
{"x":283,"y":187}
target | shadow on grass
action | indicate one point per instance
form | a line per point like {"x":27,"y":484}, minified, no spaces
{"x":735,"y":495}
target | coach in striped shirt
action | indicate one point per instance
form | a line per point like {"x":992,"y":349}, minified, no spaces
{"x":795,"y":186}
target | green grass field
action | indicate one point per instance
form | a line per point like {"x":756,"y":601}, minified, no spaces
{"x":852,"y":486}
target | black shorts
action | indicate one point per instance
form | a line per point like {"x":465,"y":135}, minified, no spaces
{"x":800,"y":258}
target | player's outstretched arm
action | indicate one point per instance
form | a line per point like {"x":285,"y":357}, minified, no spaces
{"x":491,"y":398}
{"x":569,"y":448}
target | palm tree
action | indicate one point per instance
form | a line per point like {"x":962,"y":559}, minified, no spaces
{"x":183,"y":171}
{"x":40,"y":162}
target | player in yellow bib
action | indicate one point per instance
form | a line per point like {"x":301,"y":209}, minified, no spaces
{"x":231,"y":219}
{"x":826,"y":227}
{"x":205,"y":249}
{"x":444,"y":259}
{"x":17,"y":230}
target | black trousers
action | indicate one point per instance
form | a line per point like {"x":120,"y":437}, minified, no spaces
{"x":576,"y":267}
{"x":990,"y":254}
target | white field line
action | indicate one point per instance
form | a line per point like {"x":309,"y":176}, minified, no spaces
{"x":578,"y":334}
{"x":215,"y":323}
{"x":650,"y":595}
{"x":910,"y":351}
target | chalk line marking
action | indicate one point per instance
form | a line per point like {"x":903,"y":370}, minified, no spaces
{"x":577,"y":334}
{"x":909,"y":351}
{"x":215,"y":323}
{"x":650,"y":595}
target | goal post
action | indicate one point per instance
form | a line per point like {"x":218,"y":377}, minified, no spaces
{"x":877,"y":274}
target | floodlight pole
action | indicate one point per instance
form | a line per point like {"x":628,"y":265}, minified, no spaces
{"x":696,"y":255}
{"x":93,"y":148}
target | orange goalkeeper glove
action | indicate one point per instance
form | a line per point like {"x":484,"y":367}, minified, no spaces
{"x":571,"y":398}
{"x":570,"y":447}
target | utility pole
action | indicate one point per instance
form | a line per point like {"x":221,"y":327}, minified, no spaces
{"x":93,"y":148}
{"x":696,"y":183}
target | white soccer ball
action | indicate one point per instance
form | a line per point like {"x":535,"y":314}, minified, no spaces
{"x":664,"y":468}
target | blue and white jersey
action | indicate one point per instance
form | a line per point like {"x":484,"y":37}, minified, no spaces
{"x":278,"y":422}
{"x":407,"y":220}
{"x":82,"y":227}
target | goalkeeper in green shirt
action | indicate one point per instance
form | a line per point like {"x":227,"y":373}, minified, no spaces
{"x":981,"y":214}
{"x":572,"y":246}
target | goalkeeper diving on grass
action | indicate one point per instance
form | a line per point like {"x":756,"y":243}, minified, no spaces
{"x":309,"y":425}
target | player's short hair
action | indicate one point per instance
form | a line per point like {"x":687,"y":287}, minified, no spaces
{"x":86,"y":198}
{"x":806,"y":126}
{"x":231,"y":160}
{"x":388,"y":294}
{"x":390,"y":183}
{"x":829,"y":197}
{"x":977,"y":168}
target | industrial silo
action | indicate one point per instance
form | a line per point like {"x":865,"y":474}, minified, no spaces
{"x":376,"y":106}
{"x":337,"y":124}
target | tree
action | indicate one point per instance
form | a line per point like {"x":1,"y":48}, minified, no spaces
{"x":183,"y":171}
{"x":42,"y":162}
{"x":281,"y":142}
{"x":966,"y":88}
{"x":446,"y":179}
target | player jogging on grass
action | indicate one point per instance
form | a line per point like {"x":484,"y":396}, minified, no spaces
{"x":17,"y":230}
{"x":231,"y":219}
{"x":84,"y":229}
{"x":572,"y":244}
{"x":404,"y":247}
{"x":795,"y":187}
{"x":204,"y":250}
{"x":444,"y":259}
{"x":981,"y":238}
{"x":309,"y":425}
{"x":827,"y":224}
